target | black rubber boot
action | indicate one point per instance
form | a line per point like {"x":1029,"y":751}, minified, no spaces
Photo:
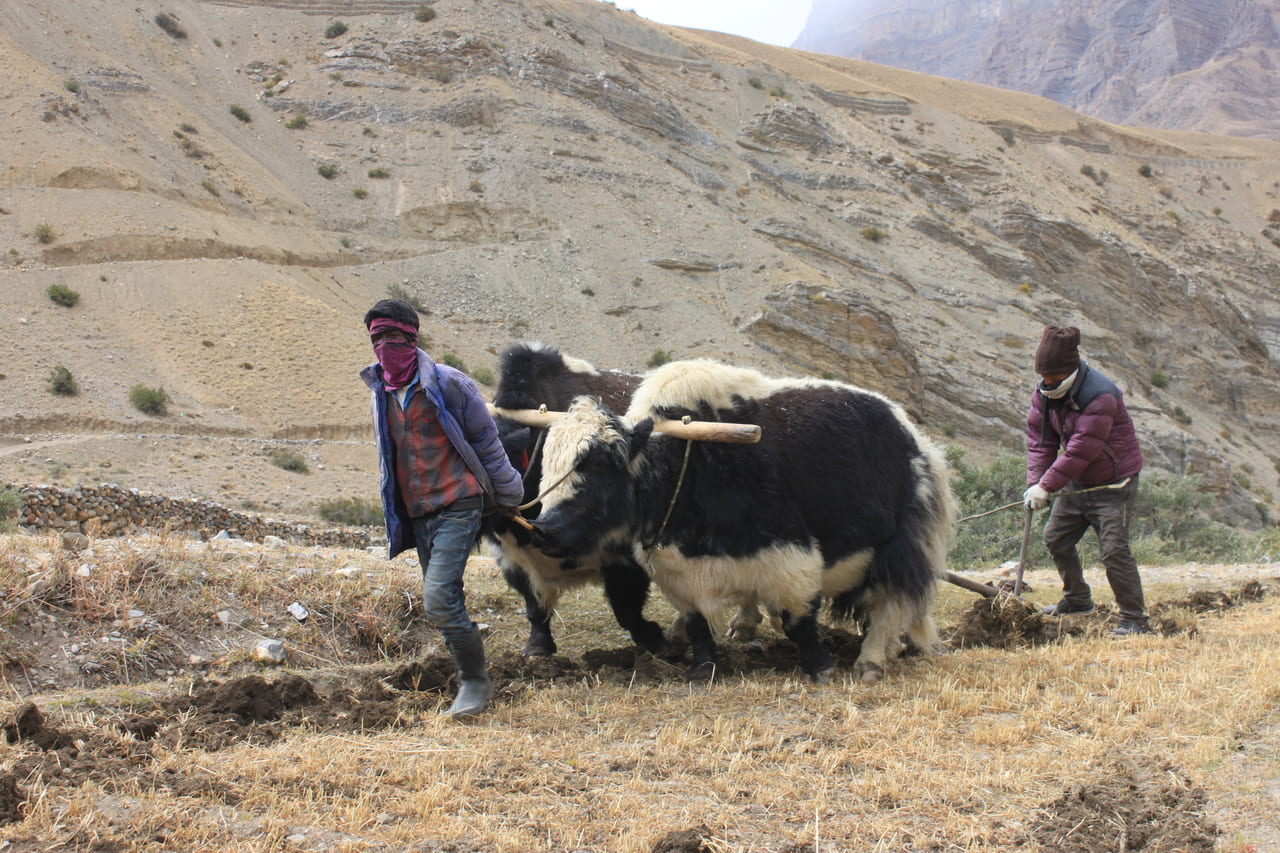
{"x":474,"y":686}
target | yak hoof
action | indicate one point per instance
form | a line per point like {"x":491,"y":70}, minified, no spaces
{"x":822,"y":676}
{"x":868,"y":673}
{"x":704,"y":672}
{"x":540,"y":648}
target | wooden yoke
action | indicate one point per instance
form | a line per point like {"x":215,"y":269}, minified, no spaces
{"x":686,"y":429}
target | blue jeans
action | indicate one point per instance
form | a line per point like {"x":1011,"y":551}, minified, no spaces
{"x":445,"y":539}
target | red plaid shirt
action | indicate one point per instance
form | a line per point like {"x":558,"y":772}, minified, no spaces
{"x":430,"y":473}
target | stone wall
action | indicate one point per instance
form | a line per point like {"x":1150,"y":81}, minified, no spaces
{"x":113,"y":511}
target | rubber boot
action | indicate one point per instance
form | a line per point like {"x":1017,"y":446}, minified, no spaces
{"x":474,"y":686}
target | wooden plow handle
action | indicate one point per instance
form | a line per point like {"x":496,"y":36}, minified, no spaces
{"x":686,"y":429}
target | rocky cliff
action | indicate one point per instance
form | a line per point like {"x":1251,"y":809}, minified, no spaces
{"x":227,"y":203}
{"x":1203,"y":65}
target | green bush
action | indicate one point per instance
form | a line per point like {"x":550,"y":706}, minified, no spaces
{"x":453,"y":361}
{"x":359,"y":192}
{"x":296,"y":122}
{"x":379,"y":172}
{"x":357,"y":512}
{"x":241,"y":113}
{"x":335,"y":29}
{"x":328,"y":171}
{"x":755,"y":83}
{"x":659,"y":358}
{"x":290,"y":460}
{"x":60,"y":294}
{"x":1172,"y":519}
{"x":1159,"y":379}
{"x":43,"y":232}
{"x":166,"y":22}
{"x":1144,"y":170}
{"x":875,"y":235}
{"x":10,"y":504}
{"x":424,"y":14}
{"x":150,"y":401}
{"x":62,"y":383}
{"x":72,"y":85}
{"x":483,"y":375}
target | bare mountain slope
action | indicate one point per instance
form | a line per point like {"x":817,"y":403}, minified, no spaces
{"x":565,"y":171}
{"x":1206,"y":65}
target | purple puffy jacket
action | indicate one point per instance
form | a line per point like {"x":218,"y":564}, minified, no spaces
{"x":1093,"y":429}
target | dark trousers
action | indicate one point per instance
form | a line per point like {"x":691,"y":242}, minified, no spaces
{"x":1109,"y":512}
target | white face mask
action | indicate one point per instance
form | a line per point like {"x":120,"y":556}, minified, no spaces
{"x":1057,"y":392}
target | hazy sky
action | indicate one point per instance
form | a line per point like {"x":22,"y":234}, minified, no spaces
{"x":771,"y":21}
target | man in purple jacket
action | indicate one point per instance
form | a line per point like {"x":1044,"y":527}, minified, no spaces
{"x":1080,"y":412}
{"x":440,"y":460}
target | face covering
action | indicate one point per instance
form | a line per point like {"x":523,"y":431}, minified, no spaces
{"x":1057,"y":392}
{"x":398,"y":358}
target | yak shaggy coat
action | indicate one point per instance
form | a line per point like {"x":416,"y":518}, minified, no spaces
{"x":843,"y":498}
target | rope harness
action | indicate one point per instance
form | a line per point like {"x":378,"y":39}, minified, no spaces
{"x":657,"y":537}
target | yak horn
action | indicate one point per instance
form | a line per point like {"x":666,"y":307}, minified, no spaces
{"x":685,"y":428}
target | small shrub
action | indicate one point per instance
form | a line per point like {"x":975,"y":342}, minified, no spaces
{"x":335,"y":29}
{"x":328,"y":171}
{"x":442,"y":75}
{"x":1094,"y":175}
{"x":548,"y":21}
{"x":476,"y":187}
{"x":72,"y":86}
{"x":10,"y":504}
{"x":241,"y":113}
{"x":586,"y":291}
{"x":43,"y":232}
{"x":483,"y":375}
{"x":188,"y":128}
{"x":359,"y":192}
{"x":60,"y":294}
{"x":875,"y":235}
{"x":659,"y":358}
{"x":290,"y":460}
{"x":169,"y":24}
{"x":296,"y":123}
{"x":62,"y":383}
{"x":777,"y":92}
{"x":1144,"y":170}
{"x":149,"y":401}
{"x":424,"y":14}
{"x":357,"y":512}
{"x":1159,"y":379}
{"x":379,"y":172}
{"x":400,"y":291}
{"x":210,"y":187}
{"x":453,"y":361}
{"x":755,"y":83}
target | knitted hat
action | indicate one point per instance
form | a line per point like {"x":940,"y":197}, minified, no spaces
{"x":1058,"y":351}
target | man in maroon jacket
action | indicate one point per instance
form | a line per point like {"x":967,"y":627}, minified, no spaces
{"x":1080,"y":412}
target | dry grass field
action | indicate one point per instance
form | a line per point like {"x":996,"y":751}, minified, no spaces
{"x":135,"y":718}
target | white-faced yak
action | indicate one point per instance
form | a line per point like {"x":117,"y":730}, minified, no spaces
{"x":532,"y":375}
{"x":843,"y":498}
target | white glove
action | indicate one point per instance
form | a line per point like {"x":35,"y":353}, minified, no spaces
{"x":1035,"y":497}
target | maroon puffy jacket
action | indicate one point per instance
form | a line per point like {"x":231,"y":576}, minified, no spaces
{"x":1093,"y":429}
